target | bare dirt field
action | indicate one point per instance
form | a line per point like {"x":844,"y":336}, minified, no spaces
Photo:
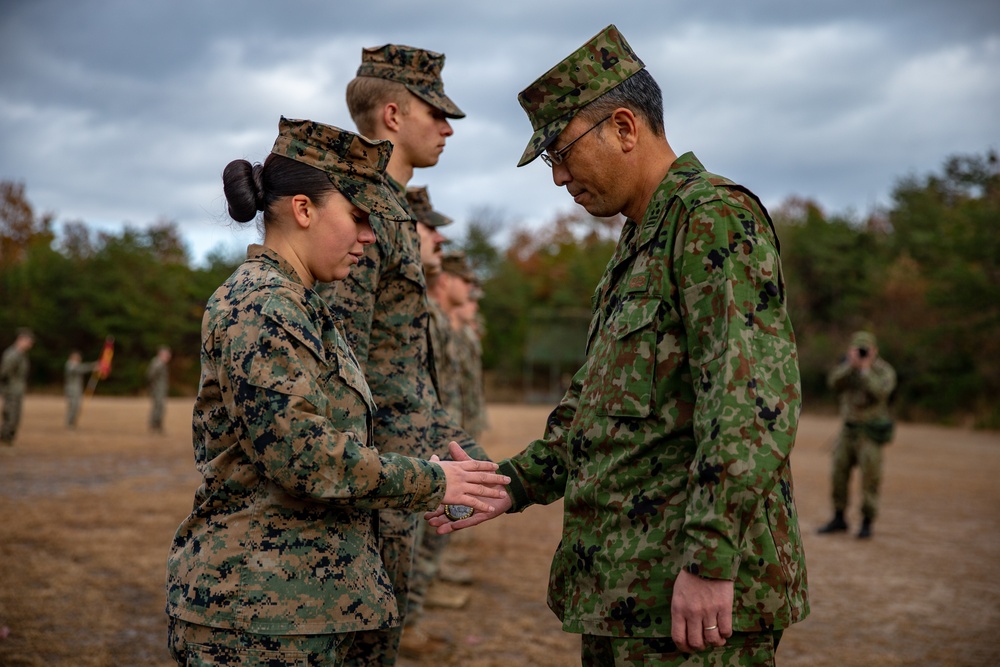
{"x":87,"y":516}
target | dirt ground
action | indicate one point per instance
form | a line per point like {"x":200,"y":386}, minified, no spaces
{"x":87,"y":516}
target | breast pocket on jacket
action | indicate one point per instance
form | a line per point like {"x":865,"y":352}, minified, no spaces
{"x":625,"y":359}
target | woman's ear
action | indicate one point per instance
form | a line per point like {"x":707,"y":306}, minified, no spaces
{"x":302,"y":211}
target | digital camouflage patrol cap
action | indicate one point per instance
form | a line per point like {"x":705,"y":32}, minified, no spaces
{"x":417,"y":69}
{"x":592,"y":70}
{"x":455,"y":263}
{"x":355,"y":164}
{"x":420,"y":203}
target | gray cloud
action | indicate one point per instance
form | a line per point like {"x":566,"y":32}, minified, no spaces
{"x":117,"y":111}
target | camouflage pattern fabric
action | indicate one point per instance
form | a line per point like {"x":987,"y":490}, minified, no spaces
{"x":75,"y":374}
{"x":354,"y":163}
{"x":553,"y":99}
{"x":282,"y":538}
{"x":14,"y":369}
{"x":384,"y":310}
{"x":194,"y":645}
{"x":420,"y":203}
{"x":470,"y":362}
{"x":417,"y":69}
{"x":158,"y":378}
{"x":864,"y":397}
{"x":754,"y":649}
{"x":671,"y":447}
{"x":446,"y":363}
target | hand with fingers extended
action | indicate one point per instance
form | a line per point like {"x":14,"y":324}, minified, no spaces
{"x":701,"y":612}
{"x":470,"y":482}
{"x":444,"y":524}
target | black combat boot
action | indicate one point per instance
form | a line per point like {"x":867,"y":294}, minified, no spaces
{"x":836,"y":525}
{"x":866,"y":529}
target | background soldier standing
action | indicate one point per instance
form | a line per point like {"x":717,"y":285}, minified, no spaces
{"x":158,"y":377}
{"x":75,"y":374}
{"x":864,"y":383}
{"x":14,"y":367}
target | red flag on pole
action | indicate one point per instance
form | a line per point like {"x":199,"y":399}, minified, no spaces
{"x":108,"y":353}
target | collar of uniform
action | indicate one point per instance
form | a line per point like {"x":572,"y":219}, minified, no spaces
{"x":683,"y":169}
{"x":399,"y":190}
{"x":259,"y":253}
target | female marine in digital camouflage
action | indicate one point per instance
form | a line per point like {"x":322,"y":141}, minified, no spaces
{"x":278,"y":560}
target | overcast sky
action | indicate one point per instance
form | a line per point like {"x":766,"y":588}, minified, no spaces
{"x":126,"y":111}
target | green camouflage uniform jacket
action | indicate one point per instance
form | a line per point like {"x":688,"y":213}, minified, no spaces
{"x":470,"y":361}
{"x":14,"y":369}
{"x":158,"y":377}
{"x":76,"y":373}
{"x":282,"y":536}
{"x":444,"y":363}
{"x":864,"y":396}
{"x":383,"y":304}
{"x":671,"y":447}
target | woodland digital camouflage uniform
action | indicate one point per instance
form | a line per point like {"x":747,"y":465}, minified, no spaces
{"x":470,"y":362}
{"x":384,"y":312}
{"x":282,"y":537}
{"x":445,"y":363}
{"x":671,"y":448}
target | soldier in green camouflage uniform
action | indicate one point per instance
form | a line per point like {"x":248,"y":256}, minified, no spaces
{"x":445,"y":373}
{"x":158,"y":377}
{"x":14,"y":368}
{"x":76,"y":372}
{"x":864,"y":382}
{"x":470,"y":357}
{"x":278,"y":562}
{"x":397,"y":95}
{"x":670,"y":451}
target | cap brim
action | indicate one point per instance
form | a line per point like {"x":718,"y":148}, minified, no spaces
{"x":372,"y":198}
{"x":541,"y":139}
{"x":438,"y":101}
{"x":435,"y":219}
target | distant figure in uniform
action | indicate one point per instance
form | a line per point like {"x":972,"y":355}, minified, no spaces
{"x":864,"y":383}
{"x":158,"y":377}
{"x":14,"y":367}
{"x":76,"y":373}
{"x":278,"y":562}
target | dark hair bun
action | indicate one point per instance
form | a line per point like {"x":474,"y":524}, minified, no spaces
{"x":241,"y":183}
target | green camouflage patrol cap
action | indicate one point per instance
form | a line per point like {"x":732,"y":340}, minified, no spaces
{"x":354,"y":163}
{"x":420,"y":204}
{"x":592,"y":70}
{"x":454,"y":262}
{"x":417,"y":69}
{"x":863,"y":339}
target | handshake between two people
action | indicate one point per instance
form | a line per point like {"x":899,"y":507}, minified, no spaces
{"x":472,"y":484}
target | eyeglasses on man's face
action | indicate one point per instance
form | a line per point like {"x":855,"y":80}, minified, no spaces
{"x":558,"y":157}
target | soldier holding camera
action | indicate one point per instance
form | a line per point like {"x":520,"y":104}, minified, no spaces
{"x":864,"y":382}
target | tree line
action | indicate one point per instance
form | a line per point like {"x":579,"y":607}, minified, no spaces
{"x":923,"y":274}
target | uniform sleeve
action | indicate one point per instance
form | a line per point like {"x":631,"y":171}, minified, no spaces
{"x":538,"y":474}
{"x":745,"y":374}
{"x":282,"y":391}
{"x":879,"y":381}
{"x":841,"y":377}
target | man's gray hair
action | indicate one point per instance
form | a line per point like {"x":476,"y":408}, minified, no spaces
{"x":639,"y":93}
